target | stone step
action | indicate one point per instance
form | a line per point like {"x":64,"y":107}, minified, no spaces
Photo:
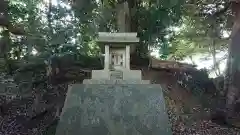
{"x":115,"y":81}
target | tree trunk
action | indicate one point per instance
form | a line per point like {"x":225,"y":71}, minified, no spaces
{"x":213,"y":52}
{"x":5,"y":45}
{"x":127,"y":20}
{"x":233,"y":75}
{"x":49,"y":17}
{"x":142,"y":49}
{"x":132,"y":5}
{"x":123,"y":17}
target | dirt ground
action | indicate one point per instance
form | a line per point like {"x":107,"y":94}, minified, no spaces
{"x":187,"y":113}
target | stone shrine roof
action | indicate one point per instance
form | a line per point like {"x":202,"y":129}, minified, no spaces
{"x":117,"y":38}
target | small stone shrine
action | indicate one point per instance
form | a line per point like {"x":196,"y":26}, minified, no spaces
{"x":116,"y":101}
{"x":117,"y":48}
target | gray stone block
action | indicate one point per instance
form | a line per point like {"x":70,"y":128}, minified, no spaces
{"x":103,"y":81}
{"x":117,"y":109}
{"x":126,"y":74}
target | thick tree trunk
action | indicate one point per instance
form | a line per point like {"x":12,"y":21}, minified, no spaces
{"x":127,"y":21}
{"x":233,"y":75}
{"x":143,"y":49}
{"x":123,"y":17}
{"x":132,"y":5}
{"x":6,"y":37}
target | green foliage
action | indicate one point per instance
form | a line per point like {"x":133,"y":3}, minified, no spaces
{"x":66,"y":27}
{"x":156,"y":18}
{"x":150,"y":18}
{"x":74,"y":27}
{"x":75,"y":24}
{"x":201,"y":29}
{"x":70,"y":33}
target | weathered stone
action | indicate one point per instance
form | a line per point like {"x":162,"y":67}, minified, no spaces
{"x":102,"y":81}
{"x":126,"y":74}
{"x":122,"y":109}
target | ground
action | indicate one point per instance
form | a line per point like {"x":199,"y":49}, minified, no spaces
{"x":188,"y":114}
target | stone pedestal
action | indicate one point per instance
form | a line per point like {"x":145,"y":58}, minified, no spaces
{"x":114,"y":109}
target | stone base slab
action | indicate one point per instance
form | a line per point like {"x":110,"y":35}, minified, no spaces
{"x":102,"y":81}
{"x":114,"y":110}
{"x":127,"y":74}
